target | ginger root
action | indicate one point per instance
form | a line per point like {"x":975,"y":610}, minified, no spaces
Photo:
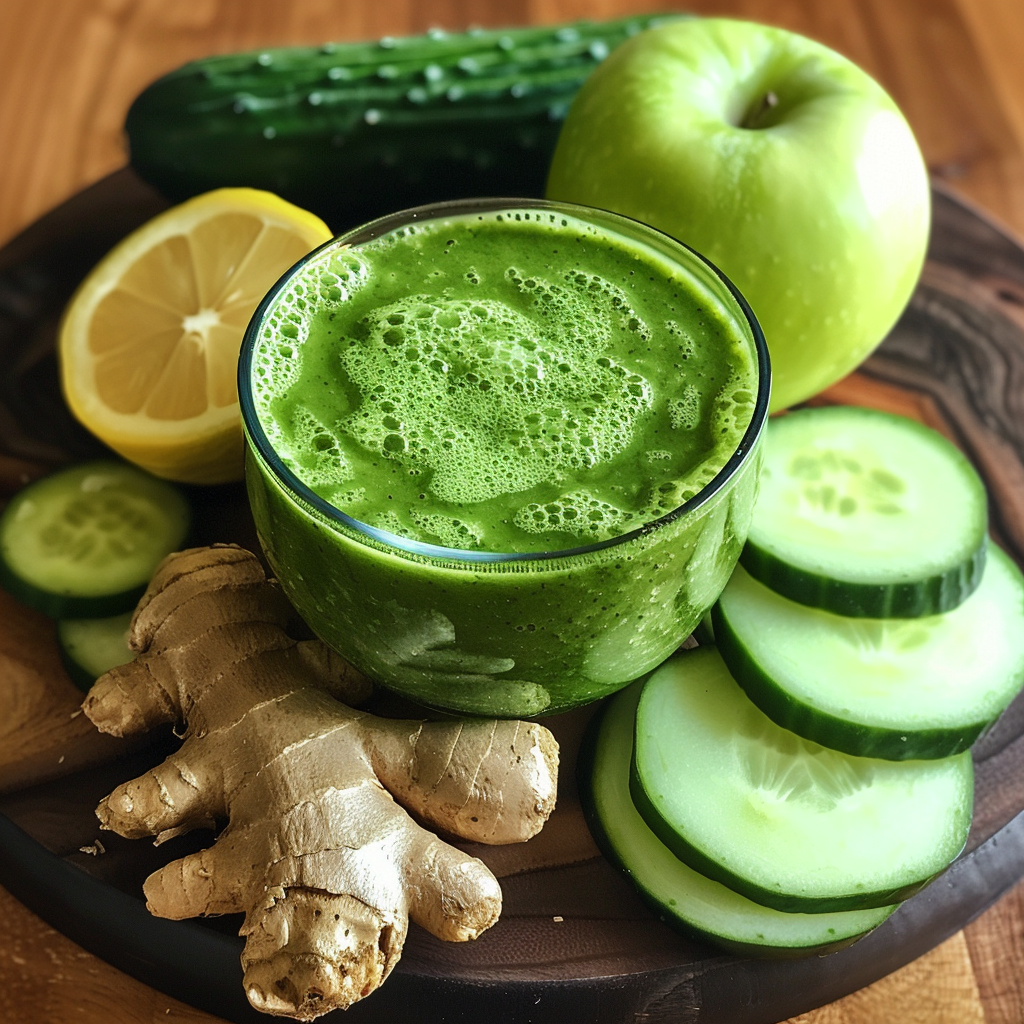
{"x":324,"y":863}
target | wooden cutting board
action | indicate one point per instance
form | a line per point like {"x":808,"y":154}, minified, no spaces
{"x":574,"y":942}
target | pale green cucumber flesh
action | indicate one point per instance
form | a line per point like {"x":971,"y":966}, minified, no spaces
{"x":682,"y":897}
{"x":866,"y":514}
{"x":91,"y":647}
{"x":84,"y":541}
{"x":786,"y":822}
{"x":892,"y":688}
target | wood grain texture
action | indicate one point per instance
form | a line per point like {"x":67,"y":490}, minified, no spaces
{"x":42,"y":732}
{"x":69,"y":70}
{"x":67,"y":74}
{"x":938,"y":988}
{"x":997,"y":974}
{"x":47,"y":979}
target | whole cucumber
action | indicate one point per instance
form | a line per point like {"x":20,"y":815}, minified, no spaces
{"x":352,"y":131}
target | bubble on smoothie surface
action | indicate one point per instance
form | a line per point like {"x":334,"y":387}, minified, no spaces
{"x":505,"y":398}
{"x":324,"y":465}
{"x":684,"y":411}
{"x":687,"y":346}
{"x":538,"y":398}
{"x":328,"y":280}
{"x":580,"y":514}
{"x":447,"y":531}
{"x":731,"y":410}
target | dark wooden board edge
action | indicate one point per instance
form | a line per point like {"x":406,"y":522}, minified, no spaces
{"x":199,"y":965}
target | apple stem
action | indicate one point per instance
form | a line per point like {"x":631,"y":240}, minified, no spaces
{"x":768,"y":102}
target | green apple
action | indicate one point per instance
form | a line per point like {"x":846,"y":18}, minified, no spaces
{"x":779,"y":160}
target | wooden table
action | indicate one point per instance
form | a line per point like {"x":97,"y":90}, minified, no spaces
{"x":68,"y":71}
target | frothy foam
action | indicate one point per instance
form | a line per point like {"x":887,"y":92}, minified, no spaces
{"x":504,"y":400}
{"x":516,"y":385}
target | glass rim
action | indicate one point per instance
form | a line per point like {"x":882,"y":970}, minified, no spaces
{"x":259,"y":441}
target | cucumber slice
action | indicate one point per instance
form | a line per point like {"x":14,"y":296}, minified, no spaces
{"x":83,"y":542}
{"x":681,"y":896}
{"x":90,"y":647}
{"x":783,"y":821}
{"x":865,"y":513}
{"x":892,"y":688}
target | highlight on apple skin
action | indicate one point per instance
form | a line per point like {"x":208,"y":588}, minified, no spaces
{"x":779,"y":160}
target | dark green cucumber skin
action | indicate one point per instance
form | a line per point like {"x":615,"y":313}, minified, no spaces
{"x":353,"y":131}
{"x":68,"y":606}
{"x":789,"y":902}
{"x":584,"y":774}
{"x":939,"y":593}
{"x":828,"y":730}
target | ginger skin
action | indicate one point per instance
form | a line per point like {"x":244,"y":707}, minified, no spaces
{"x":326,"y":866}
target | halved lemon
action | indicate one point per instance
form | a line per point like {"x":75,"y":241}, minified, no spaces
{"x":149,"y":342}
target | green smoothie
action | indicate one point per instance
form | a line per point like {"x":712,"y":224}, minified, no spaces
{"x":500,"y":458}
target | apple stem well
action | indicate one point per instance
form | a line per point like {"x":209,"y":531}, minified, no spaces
{"x":754,"y":117}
